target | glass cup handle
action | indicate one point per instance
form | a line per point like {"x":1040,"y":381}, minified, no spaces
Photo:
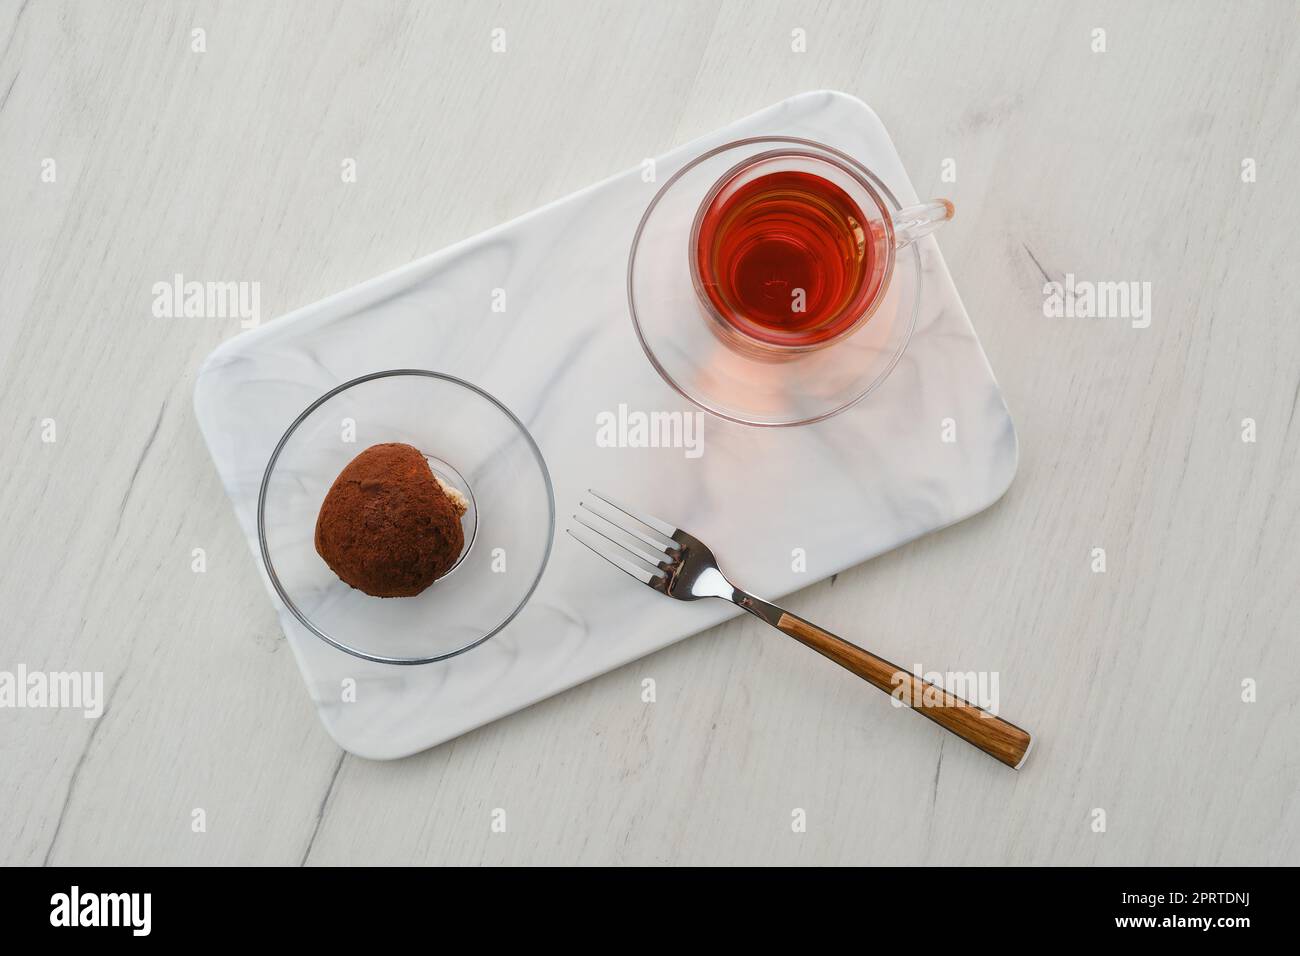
{"x":913,"y":222}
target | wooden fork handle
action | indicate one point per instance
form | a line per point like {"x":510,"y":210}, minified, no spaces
{"x":1001,"y":740}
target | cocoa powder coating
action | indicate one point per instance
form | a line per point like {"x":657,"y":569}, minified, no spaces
{"x":386,"y":526}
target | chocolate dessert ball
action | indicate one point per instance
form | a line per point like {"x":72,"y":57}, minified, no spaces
{"x":388,"y":527}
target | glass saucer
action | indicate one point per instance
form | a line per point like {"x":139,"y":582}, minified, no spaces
{"x":756,"y":385}
{"x":473,"y":443}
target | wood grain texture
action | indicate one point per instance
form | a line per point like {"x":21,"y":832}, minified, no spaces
{"x":225,"y":165}
{"x":1000,"y":739}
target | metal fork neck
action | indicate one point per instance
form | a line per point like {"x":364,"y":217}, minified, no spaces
{"x":763,"y":610}
{"x":711,"y":582}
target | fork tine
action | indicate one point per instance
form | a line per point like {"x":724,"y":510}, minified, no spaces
{"x":652,"y":554}
{"x":654,"y":524}
{"x":658,"y":547}
{"x":635,"y":571}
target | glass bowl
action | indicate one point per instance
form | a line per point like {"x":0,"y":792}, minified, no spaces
{"x":473,"y":443}
{"x":751,"y":385}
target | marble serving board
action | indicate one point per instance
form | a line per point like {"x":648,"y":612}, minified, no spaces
{"x":563,"y":353}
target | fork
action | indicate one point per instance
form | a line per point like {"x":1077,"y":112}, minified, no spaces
{"x":684,"y":568}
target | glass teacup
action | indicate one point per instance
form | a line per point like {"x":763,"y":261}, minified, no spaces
{"x":759,"y":254}
{"x":794,"y":249}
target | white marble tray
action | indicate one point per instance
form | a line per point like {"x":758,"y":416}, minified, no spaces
{"x":865,"y":481}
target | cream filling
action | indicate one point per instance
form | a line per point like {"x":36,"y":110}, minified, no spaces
{"x":458,"y":500}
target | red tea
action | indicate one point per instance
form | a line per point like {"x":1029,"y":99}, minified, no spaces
{"x":788,"y":258}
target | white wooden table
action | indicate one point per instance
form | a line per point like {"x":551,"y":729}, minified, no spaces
{"x":227,"y":165}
